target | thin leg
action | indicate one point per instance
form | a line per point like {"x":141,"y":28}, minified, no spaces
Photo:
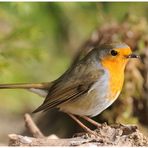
{"x":91,"y":121}
{"x":82,"y":125}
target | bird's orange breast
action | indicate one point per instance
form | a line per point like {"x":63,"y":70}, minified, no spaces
{"x":116,"y":76}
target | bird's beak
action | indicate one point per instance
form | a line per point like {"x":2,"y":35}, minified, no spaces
{"x":133,"y":56}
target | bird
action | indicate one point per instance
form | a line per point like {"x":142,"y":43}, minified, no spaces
{"x":88,"y":87}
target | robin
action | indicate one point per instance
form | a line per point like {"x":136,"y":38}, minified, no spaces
{"x":88,"y":87}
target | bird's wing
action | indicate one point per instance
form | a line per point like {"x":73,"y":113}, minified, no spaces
{"x":64,"y":94}
{"x":70,"y":88}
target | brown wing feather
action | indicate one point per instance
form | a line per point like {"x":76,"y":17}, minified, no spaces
{"x":64,"y":95}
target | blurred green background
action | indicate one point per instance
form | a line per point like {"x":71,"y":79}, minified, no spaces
{"x":38,"y":41}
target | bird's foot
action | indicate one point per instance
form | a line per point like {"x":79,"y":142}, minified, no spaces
{"x":88,"y":130}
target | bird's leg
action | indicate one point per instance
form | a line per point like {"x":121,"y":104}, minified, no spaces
{"x":91,"y":121}
{"x":82,"y":125}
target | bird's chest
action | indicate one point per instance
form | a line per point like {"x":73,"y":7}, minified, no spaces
{"x":103,"y":93}
{"x":115,"y":84}
{"x":116,"y":77}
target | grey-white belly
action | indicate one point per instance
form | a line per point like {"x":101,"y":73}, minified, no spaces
{"x":93,"y":102}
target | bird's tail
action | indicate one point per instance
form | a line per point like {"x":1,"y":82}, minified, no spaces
{"x":38,"y":88}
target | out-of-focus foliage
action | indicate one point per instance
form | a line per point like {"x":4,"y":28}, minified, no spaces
{"x":37,"y":41}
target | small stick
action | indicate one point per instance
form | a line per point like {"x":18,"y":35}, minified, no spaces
{"x":32,"y":127}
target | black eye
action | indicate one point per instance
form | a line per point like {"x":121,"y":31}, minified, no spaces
{"x":114,"y":52}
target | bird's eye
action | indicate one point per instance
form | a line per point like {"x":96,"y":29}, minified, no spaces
{"x":114,"y":52}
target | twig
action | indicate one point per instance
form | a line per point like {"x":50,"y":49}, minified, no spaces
{"x":18,"y":140}
{"x":31,"y":126}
